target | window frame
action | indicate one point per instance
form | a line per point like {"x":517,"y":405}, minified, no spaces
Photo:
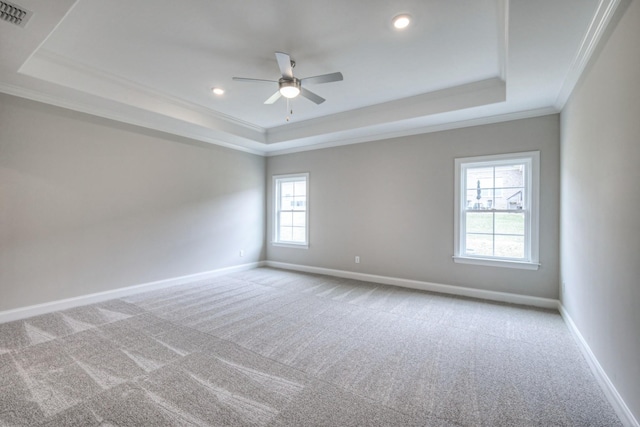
{"x":277,"y":180}
{"x":532,"y":214}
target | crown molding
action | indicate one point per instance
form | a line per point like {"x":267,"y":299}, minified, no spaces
{"x":598,"y":29}
{"x":497,"y":118}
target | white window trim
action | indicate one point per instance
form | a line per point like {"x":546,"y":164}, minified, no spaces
{"x":532,"y":234}
{"x":276,"y":202}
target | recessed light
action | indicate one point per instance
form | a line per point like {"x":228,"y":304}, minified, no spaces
{"x":401,"y":22}
{"x":217,"y":90}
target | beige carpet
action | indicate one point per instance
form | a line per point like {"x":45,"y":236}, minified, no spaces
{"x":275,"y":348}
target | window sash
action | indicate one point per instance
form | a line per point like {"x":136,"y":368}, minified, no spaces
{"x":526,"y":255}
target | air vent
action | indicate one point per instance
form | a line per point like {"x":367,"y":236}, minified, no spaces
{"x":14,"y":14}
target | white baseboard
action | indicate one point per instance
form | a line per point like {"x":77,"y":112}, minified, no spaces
{"x":424,"y":286}
{"x":621,"y":408}
{"x":63,"y":304}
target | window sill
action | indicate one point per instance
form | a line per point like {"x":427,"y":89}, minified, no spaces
{"x":291,"y":245}
{"x":497,"y":263}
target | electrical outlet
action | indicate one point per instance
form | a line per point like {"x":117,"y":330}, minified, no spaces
{"x":241,"y":252}
{"x":357,"y":259}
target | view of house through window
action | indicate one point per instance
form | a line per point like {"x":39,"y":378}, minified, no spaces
{"x":497,"y":207}
{"x":291,"y":215}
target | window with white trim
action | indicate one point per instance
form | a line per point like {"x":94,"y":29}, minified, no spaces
{"x":497,"y":205}
{"x":291,"y":216}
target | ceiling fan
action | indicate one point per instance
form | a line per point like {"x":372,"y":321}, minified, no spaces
{"x":290,"y":86}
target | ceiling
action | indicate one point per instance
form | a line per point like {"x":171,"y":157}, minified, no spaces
{"x":153,"y":63}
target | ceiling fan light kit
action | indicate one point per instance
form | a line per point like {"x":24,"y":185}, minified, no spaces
{"x":400,"y":22}
{"x":289,"y":88}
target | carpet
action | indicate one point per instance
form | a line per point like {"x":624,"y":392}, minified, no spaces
{"x":269,"y":347}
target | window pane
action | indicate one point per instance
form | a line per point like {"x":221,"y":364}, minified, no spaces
{"x":479,"y":245}
{"x":298,"y":234}
{"x":480,"y":188}
{"x":472,"y":201}
{"x":286,"y":189}
{"x":484,"y":175}
{"x":510,"y":223}
{"x":286,"y":203}
{"x":513,"y":198}
{"x":299,"y":203}
{"x":511,"y":175}
{"x":299,"y":219}
{"x":480,"y":222}
{"x":300,"y":188}
{"x":285,"y":234}
{"x":509,"y":246}
{"x":286,"y":219}
{"x":512,"y":186}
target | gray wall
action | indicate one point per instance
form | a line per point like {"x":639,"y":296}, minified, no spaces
{"x":600,"y":247}
{"x":391,"y":203}
{"x":89,"y":205}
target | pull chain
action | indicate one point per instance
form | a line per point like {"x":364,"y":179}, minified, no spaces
{"x":289,"y":111}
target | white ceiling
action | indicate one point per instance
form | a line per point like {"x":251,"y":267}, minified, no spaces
{"x":153,"y":63}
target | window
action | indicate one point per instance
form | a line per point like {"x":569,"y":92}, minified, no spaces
{"x":496,"y":206}
{"x":291,"y":210}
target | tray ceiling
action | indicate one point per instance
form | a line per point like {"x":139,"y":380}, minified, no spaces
{"x":154,"y":62}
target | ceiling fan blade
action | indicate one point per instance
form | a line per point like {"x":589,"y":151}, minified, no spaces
{"x":284,"y":63}
{"x":244,"y":79}
{"x":324,"y":78}
{"x":311,"y":96}
{"x":273,"y":98}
